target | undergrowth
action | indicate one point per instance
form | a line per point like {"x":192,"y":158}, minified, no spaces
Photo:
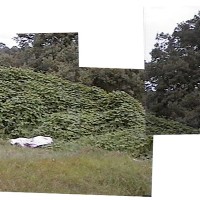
{"x":72,"y":170}
{"x":34,"y":104}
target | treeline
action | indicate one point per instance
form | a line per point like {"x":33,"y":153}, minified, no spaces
{"x":57,"y":53}
{"x":173,"y":75}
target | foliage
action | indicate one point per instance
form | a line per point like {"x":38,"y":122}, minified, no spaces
{"x":129,"y":80}
{"x":33,"y":103}
{"x":162,"y":126}
{"x":57,"y":53}
{"x":173,"y":74}
{"x":36,"y":104}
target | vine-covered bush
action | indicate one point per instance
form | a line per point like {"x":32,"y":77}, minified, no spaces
{"x":161,"y":126}
{"x":37,"y":104}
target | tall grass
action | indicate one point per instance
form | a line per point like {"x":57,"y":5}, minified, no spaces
{"x":84,"y":171}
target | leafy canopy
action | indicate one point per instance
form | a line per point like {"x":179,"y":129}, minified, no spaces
{"x":173,"y":83}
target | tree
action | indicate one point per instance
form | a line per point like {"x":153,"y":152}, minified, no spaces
{"x":57,"y":53}
{"x":6,"y":56}
{"x":50,"y":52}
{"x":128,"y":80}
{"x":172,"y":76}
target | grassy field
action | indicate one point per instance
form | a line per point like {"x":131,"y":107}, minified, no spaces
{"x":73,"y":170}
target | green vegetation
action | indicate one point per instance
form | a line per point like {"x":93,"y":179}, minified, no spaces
{"x":162,"y":126}
{"x":173,"y":87}
{"x":73,"y":171}
{"x":172,"y":76}
{"x":57,"y":53}
{"x":36,"y":104}
{"x":96,"y":117}
{"x":96,"y":136}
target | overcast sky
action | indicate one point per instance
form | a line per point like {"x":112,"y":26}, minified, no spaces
{"x":156,"y":20}
{"x":6,"y":38}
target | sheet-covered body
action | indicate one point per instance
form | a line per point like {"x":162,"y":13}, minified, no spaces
{"x":32,"y":142}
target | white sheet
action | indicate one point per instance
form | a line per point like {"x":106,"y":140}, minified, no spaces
{"x":32,"y":142}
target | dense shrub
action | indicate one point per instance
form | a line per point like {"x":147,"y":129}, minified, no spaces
{"x":161,"y":126}
{"x":37,"y":104}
